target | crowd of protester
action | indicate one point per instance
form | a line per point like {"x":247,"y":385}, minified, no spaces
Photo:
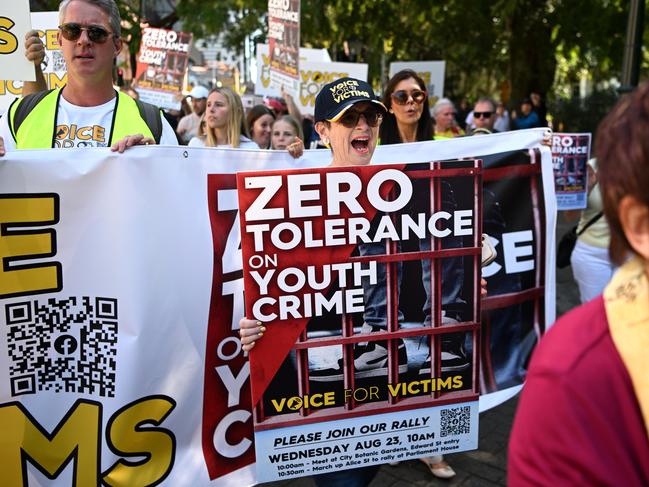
{"x":556,"y":438}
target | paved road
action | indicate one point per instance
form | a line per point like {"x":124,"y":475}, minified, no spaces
{"x":487,"y":466}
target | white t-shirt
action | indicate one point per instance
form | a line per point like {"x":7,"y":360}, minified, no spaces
{"x":83,"y":127}
{"x":244,"y":143}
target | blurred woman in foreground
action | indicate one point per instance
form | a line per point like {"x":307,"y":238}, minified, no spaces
{"x":583,"y":417}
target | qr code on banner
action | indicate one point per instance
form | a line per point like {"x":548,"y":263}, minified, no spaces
{"x":456,"y":421}
{"x":67,"y":345}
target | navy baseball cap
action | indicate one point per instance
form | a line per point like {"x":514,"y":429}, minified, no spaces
{"x":337,"y":97}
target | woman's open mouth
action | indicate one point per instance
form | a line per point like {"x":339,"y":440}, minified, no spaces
{"x":361,"y":144}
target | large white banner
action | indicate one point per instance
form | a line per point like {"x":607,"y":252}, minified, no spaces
{"x":121,"y":293}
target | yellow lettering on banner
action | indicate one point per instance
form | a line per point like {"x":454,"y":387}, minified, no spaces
{"x":76,"y":438}
{"x":11,"y":87}
{"x":35,"y":210}
{"x":8,"y":41}
{"x":127,"y":437}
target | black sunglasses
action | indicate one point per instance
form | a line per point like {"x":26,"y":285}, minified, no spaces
{"x":482,"y":114}
{"x":351,"y":117}
{"x":401,"y":97}
{"x":72,"y":31}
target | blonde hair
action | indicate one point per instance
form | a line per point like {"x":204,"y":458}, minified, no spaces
{"x":234,"y":120}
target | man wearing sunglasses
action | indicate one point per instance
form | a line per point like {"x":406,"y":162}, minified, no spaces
{"x":87,"y":111}
{"x":484,"y":116}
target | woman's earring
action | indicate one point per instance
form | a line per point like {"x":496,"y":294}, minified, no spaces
{"x":325,"y":140}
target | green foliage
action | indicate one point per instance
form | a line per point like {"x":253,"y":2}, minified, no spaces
{"x":573,"y":114}
{"x":503,"y":48}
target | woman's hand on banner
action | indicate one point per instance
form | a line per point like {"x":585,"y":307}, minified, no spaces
{"x":483,"y":288}
{"x":131,"y":140}
{"x":249,"y":332}
{"x":2,"y":147}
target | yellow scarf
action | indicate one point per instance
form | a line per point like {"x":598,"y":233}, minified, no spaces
{"x":626,"y":300}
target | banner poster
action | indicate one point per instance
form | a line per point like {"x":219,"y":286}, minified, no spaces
{"x":284,"y":43}
{"x":432,"y":72}
{"x":161,"y":66}
{"x":570,"y":155}
{"x":121,"y":291}
{"x":314,"y":74}
{"x":14,"y":24}
{"x":53,"y":66}
{"x":347,"y":375}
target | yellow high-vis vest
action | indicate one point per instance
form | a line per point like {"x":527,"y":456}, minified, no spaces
{"x":32,"y":119}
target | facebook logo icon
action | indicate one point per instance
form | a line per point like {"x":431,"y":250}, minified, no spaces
{"x":65,"y":344}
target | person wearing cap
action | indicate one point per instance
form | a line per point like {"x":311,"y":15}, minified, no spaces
{"x":189,"y":124}
{"x":347,"y":116}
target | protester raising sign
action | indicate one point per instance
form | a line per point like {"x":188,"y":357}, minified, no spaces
{"x":324,"y":253}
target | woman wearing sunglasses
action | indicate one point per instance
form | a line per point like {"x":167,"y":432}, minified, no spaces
{"x":408,"y":120}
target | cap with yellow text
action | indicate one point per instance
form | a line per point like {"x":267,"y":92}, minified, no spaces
{"x":337,"y":97}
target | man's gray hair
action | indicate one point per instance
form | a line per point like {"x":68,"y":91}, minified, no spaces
{"x":107,"y":6}
{"x":441,"y":103}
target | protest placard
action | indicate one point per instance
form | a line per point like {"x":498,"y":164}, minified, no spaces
{"x":344,"y":361}
{"x":432,"y":72}
{"x":162,"y":66}
{"x":314,"y":73}
{"x":284,"y":43}
{"x":14,"y":25}
{"x":570,"y":154}
{"x":53,"y":67}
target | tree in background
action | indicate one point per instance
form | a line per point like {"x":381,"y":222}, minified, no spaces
{"x":504,"y":48}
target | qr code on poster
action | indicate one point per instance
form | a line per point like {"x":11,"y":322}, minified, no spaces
{"x":456,"y":421}
{"x":67,"y":345}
